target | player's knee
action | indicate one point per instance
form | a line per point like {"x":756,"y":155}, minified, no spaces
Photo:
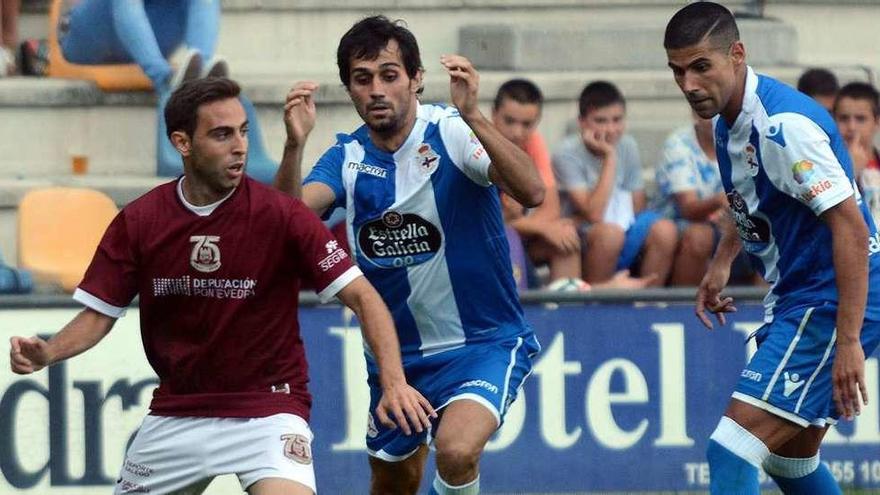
{"x":457,"y":456}
{"x":403,"y":482}
{"x":398,"y":478}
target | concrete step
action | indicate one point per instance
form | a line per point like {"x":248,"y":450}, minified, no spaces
{"x":635,"y":45}
{"x":280,"y":36}
{"x":45,"y":122}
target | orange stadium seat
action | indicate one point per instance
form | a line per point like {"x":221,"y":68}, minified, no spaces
{"x":58,"y":231}
{"x":119,"y":77}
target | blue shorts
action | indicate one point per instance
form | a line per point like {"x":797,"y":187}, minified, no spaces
{"x":635,"y":238}
{"x":790,"y":375}
{"x":489,"y":373}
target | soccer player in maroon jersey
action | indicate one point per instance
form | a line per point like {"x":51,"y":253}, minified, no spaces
{"x":216,"y":259}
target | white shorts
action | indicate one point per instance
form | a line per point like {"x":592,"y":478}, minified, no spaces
{"x":182,"y":455}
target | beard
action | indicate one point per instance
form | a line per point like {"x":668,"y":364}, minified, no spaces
{"x":388,"y":124}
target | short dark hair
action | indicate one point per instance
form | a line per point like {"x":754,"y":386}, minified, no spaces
{"x":598,"y":94}
{"x":818,"y":81}
{"x":181,"y":111}
{"x":698,"y":21}
{"x":367,"y":38}
{"x":860,"y":91}
{"x":521,"y":91}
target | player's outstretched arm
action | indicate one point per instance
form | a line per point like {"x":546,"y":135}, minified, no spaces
{"x":512,"y":169}
{"x":299,"y":120}
{"x":709,"y":292}
{"x":849,"y":239}
{"x":401,"y":405}
{"x":27,"y":355}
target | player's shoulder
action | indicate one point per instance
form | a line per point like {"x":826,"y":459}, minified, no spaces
{"x":785,"y":128}
{"x":262,"y":195}
{"x":786,"y":105}
{"x":435,"y":113}
{"x":150,"y":201}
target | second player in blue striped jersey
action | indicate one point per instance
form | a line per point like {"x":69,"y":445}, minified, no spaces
{"x":420,"y":185}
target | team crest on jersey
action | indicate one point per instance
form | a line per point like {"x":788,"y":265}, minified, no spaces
{"x":298,"y":448}
{"x":427,"y":158}
{"x":205,"y":256}
{"x":396,"y":240}
{"x":752,"y":159}
{"x":753,"y":230}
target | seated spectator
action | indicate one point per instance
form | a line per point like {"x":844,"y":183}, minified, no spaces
{"x":599,"y":175}
{"x":690,"y":193}
{"x":821,"y":85}
{"x":145,"y":32}
{"x":546,"y":236}
{"x":857,"y":113}
{"x":9,"y":10}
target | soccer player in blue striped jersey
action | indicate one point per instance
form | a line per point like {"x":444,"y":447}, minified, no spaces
{"x":420,"y":185}
{"x":789,"y":182}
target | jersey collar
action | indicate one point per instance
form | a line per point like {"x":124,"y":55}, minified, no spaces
{"x":201,"y":211}
{"x":750,"y":101}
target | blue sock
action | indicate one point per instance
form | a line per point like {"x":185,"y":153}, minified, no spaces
{"x":801,"y":476}
{"x":734,"y":455}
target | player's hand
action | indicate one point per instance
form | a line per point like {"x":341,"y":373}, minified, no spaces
{"x":28,"y":355}
{"x":709,"y":296}
{"x":299,"y":112}
{"x":848,"y":379}
{"x":403,"y":406}
{"x":599,"y":143}
{"x":464,"y":83}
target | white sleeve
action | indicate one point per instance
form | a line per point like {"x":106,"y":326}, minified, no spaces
{"x":799,"y":161}
{"x":340,"y":283}
{"x":93,"y":302}
{"x":466,"y":151}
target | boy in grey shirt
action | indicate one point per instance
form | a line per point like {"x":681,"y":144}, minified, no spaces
{"x":601,"y":188}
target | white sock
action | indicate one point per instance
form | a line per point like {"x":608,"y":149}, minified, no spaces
{"x":788,"y":467}
{"x":444,"y":488}
{"x":733,"y":437}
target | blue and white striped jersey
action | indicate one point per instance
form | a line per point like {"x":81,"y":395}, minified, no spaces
{"x":783,"y":163}
{"x":425,"y":226}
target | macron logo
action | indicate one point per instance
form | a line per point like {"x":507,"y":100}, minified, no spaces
{"x":481,"y":384}
{"x":775,"y":134}
{"x":792,"y":383}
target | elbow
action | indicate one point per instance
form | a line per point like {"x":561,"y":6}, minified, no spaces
{"x":534,"y":196}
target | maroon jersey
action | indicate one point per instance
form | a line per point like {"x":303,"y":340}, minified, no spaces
{"x":218,"y":289}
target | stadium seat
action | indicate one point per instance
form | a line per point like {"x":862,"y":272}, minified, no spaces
{"x":119,"y":77}
{"x":58,"y":231}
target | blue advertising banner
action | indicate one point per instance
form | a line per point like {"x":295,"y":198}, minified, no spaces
{"x":621,"y":398}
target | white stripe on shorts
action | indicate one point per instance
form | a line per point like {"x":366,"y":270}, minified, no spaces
{"x":788,"y":352}
{"x":800,"y":401}
{"x":519,"y":343}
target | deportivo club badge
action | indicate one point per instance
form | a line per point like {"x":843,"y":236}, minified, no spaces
{"x":427,"y":158}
